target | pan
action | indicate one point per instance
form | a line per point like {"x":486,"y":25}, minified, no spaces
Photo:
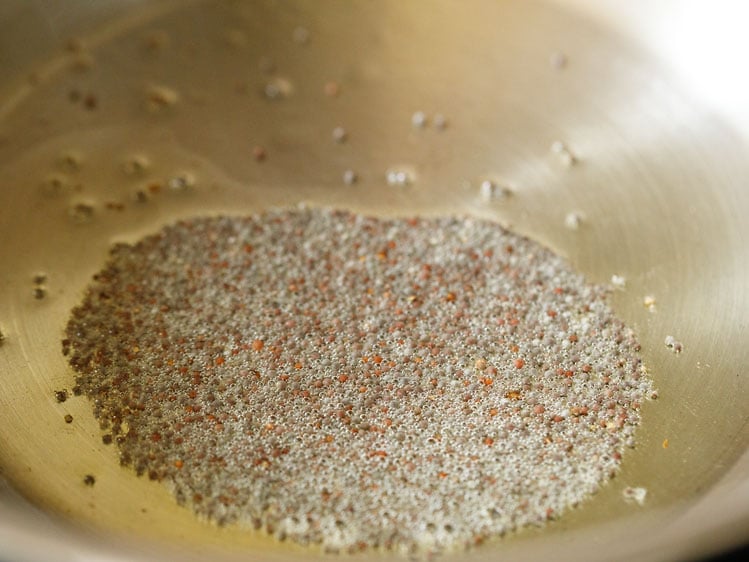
{"x":631,"y":119}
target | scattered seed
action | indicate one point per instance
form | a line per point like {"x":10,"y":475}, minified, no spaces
{"x":278,"y":88}
{"x":350,"y":177}
{"x":566,"y":157}
{"x":181,"y":181}
{"x":573,"y":220}
{"x":81,"y":212}
{"x":398,"y":177}
{"x":419,"y":120}
{"x":61,"y":395}
{"x":618,"y":281}
{"x":160,"y":98}
{"x":89,"y":480}
{"x":136,"y":165}
{"x":492,"y":191}
{"x":332,"y":89}
{"x":39,"y":278}
{"x":340,"y":135}
{"x":300,"y":35}
{"x":558,"y":60}
{"x":673,"y":345}
{"x":635,"y":495}
{"x":259,"y":153}
{"x":68,"y":418}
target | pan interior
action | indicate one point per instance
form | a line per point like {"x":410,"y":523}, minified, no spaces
{"x":237,"y":103}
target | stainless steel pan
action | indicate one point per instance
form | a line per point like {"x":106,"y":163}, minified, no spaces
{"x":648,"y":97}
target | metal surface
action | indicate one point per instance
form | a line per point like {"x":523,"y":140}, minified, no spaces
{"x":661,"y":183}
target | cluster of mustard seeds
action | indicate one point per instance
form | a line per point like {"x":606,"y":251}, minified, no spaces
{"x":333,"y":378}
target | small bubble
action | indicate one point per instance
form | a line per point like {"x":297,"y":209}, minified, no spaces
{"x":563,"y":152}
{"x":350,"y":177}
{"x":573,"y":220}
{"x":558,"y":60}
{"x":398,"y":177}
{"x":340,"y":135}
{"x":300,"y":35}
{"x":649,"y":302}
{"x":493,"y":191}
{"x":159,"y":98}
{"x":419,"y":120}
{"x":81,"y":212}
{"x":135,"y":165}
{"x":278,"y":89}
{"x":181,"y":181}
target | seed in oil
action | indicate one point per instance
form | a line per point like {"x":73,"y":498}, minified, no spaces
{"x":40,"y":293}
{"x":81,"y":212}
{"x":618,"y":281}
{"x":55,"y":184}
{"x":350,"y":177}
{"x":397,"y":177}
{"x":300,"y":35}
{"x":236,"y":38}
{"x":332,"y":89}
{"x":492,"y":191}
{"x":419,"y":120}
{"x":573,"y":220}
{"x":278,"y":88}
{"x":70,"y":161}
{"x":340,"y":135}
{"x":156,"y":41}
{"x":160,"y":98}
{"x":135,"y":165}
{"x":181,"y":181}
{"x":39,"y":278}
{"x":558,"y":60}
{"x":565,"y":155}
